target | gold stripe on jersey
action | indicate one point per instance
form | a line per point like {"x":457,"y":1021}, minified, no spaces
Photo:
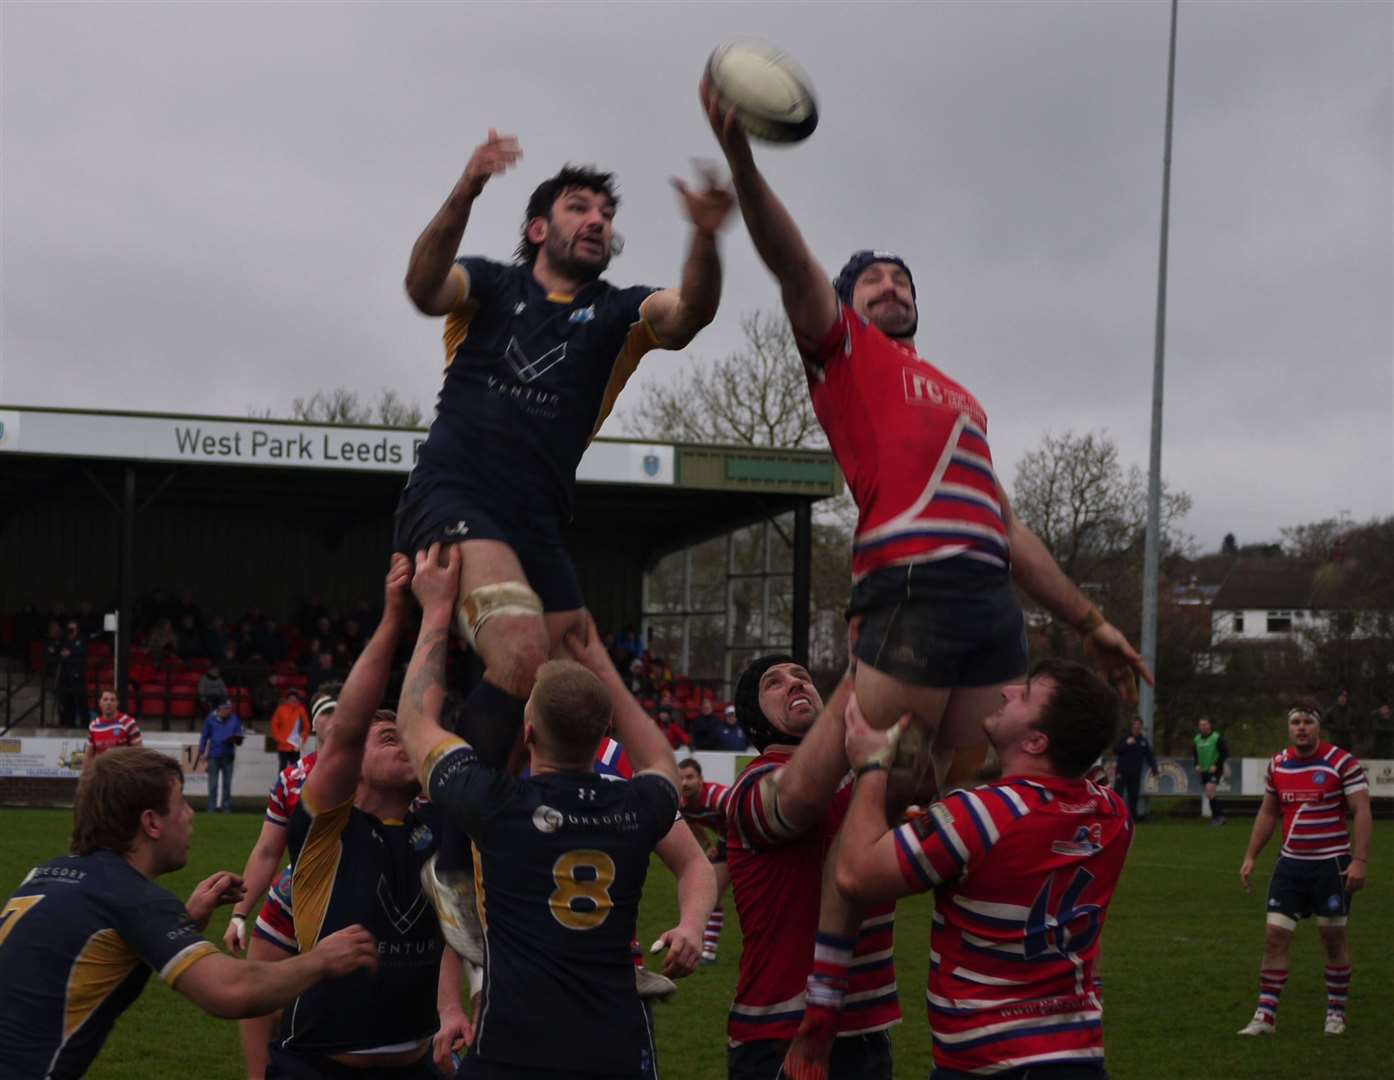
{"x":457,"y":328}
{"x":317,"y":868}
{"x":101,"y":966}
{"x":479,"y":887}
{"x":640,"y":339}
{"x":186,"y":959}
{"x":445,"y":746}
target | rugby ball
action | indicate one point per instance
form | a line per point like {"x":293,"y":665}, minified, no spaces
{"x":773,"y":98}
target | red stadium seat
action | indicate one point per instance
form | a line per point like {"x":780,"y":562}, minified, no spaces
{"x":153,"y":699}
{"x":243,"y":699}
{"x":99,"y":650}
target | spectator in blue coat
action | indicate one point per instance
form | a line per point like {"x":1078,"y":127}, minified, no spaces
{"x":222,"y":735}
{"x":729,"y":735}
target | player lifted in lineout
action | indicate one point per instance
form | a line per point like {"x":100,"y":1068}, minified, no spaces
{"x":937,"y":546}
{"x":536,"y":353}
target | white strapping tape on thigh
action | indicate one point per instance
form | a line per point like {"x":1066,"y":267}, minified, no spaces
{"x":504,"y":598}
{"x":1278,"y":919}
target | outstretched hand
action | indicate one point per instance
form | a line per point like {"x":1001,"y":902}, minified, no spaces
{"x":1118,"y":662}
{"x":735,"y":144}
{"x":708,"y":208}
{"x":495,"y":155}
{"x":588,"y":649}
{"x":224,"y":887}
{"x":397,"y":591}
{"x":436,"y":583}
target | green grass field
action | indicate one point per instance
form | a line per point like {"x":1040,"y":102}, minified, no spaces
{"x":1181,"y":949}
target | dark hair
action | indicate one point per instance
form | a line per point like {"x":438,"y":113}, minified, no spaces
{"x":691,"y":763}
{"x":571,"y":712}
{"x":1080,"y":718}
{"x":585,"y":177}
{"x":1307,"y":705}
{"x":117,"y":788}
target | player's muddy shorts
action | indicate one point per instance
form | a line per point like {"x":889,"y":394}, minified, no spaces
{"x":285,"y":1065}
{"x":1303,"y":887}
{"x":944,"y":624}
{"x":430,"y":512}
{"x":855,"y":1057}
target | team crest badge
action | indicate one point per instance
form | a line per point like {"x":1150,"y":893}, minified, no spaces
{"x":1088,"y":840}
{"x":582,"y":315}
{"x":651,"y":464}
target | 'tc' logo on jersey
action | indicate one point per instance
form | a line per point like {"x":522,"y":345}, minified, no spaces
{"x":920,"y":389}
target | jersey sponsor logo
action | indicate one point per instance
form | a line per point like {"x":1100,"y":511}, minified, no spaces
{"x":547,"y":819}
{"x":529,"y":369}
{"x":402,"y":921}
{"x":1088,"y":840}
{"x":920,"y":389}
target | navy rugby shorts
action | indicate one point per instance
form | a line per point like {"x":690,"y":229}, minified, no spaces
{"x":429,"y":512}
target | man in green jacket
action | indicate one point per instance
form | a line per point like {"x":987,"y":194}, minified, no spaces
{"x":1211,"y":753}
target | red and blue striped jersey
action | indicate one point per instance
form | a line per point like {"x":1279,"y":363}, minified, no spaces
{"x":1312,"y":791}
{"x":708,"y":807}
{"x":120,"y":730}
{"x":612,"y":762}
{"x":913,"y":446}
{"x":777,"y":884}
{"x":1022,"y":871}
{"x":285,"y":793}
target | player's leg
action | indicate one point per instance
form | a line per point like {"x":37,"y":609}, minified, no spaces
{"x":1217,"y":814}
{"x":257,"y":1032}
{"x":711,"y":936}
{"x":961,"y":747}
{"x":1286,"y":903}
{"x":884,"y":699}
{"x":1333,"y":900}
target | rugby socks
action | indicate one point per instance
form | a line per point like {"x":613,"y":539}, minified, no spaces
{"x":1337,"y":988}
{"x":1270,"y":988}
{"x":1216,"y":814}
{"x":490,"y":721}
{"x":711,"y":935}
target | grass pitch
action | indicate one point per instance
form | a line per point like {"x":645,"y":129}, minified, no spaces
{"x":1181,"y":956}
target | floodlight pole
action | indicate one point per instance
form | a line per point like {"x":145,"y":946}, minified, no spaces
{"x":1152,"y":551}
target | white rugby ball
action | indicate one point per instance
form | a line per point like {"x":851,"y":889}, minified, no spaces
{"x":773,"y":97}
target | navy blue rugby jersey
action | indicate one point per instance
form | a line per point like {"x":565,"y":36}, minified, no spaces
{"x":560,"y":861}
{"x":353,"y":868}
{"x":530,"y":376}
{"x":78,"y":940}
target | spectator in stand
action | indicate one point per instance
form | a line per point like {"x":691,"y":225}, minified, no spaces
{"x":628,"y":644}
{"x":322,"y":671}
{"x":1134,"y":753}
{"x":640,"y":685}
{"x":268,"y":640}
{"x":676,"y":734}
{"x":222,"y":734}
{"x":162,"y":641}
{"x":230,"y":656}
{"x":189,"y":639}
{"x":1382,"y":737}
{"x":1337,"y":726}
{"x":214,"y":639}
{"x":289,"y":725}
{"x":730,"y":736}
{"x":67,"y":657}
{"x":188,"y":606}
{"x":704,"y":727}
{"x":111,"y":728}
{"x":211,"y":688}
{"x":89,"y":620}
{"x":353,"y":637}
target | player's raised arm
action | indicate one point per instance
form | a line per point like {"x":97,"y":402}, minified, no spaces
{"x":645,"y":744}
{"x":434,"y":282}
{"x":697,"y":895}
{"x":335,"y":776}
{"x":677,"y":314}
{"x":807,"y":292}
{"x":435,"y":584}
{"x":233,"y":989}
{"x":1040,"y":577}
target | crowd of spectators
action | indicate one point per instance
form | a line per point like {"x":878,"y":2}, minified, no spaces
{"x":185,"y":662}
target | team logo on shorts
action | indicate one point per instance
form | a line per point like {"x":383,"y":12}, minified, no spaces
{"x":1334,"y":903}
{"x":545,"y":819}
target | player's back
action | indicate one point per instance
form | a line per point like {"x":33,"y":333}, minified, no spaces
{"x":78,"y":940}
{"x":1024,"y":870}
{"x":560,"y":864}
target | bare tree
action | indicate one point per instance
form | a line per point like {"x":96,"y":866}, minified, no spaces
{"x":343,"y":406}
{"x":755,"y":397}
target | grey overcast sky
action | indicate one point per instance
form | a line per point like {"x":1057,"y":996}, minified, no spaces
{"x":208,"y":207}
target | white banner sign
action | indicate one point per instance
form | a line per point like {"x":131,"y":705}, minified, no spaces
{"x":257,"y":442}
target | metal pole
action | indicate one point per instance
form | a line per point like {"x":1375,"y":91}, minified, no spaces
{"x":1152,"y":552}
{"x":803,"y":579}
{"x":124,"y":617}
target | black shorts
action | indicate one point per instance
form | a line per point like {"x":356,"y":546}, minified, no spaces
{"x":474,"y":1069}
{"x":855,"y":1057}
{"x":941,"y":624}
{"x":429,"y":512}
{"x":1214,"y":776}
{"x":1303,"y":887}
{"x":1064,"y":1071}
{"x":290,"y":1065}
